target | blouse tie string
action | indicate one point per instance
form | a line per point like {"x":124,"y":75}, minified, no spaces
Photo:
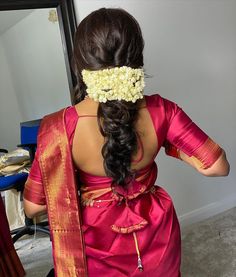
{"x":128,"y":220}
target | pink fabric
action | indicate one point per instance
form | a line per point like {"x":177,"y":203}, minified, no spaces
{"x":61,"y":191}
{"x":172,"y":124}
{"x":112,"y":253}
{"x":108,"y":223}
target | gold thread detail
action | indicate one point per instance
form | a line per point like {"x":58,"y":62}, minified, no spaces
{"x":140,"y":265}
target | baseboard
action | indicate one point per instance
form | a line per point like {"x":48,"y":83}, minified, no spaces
{"x":207,"y":211}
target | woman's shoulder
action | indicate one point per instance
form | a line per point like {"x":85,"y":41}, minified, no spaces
{"x":60,"y":114}
{"x":63,"y":120}
{"x":155,"y":100}
{"x":158,"y":105}
{"x":158,"y":100}
{"x":59,"y":117}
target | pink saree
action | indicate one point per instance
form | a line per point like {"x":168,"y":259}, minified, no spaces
{"x":122,"y":232}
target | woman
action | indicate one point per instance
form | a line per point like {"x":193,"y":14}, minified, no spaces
{"x":10,"y":265}
{"x":107,"y":143}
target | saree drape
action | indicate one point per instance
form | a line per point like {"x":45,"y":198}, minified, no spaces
{"x":61,"y":193}
{"x":132,"y":232}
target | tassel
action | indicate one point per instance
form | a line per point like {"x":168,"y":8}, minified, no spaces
{"x":140,"y":266}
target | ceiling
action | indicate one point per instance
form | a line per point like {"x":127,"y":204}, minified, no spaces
{"x":10,"y":18}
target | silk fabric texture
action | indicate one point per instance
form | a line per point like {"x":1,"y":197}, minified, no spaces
{"x":110,"y":226}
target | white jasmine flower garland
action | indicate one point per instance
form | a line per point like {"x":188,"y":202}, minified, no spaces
{"x":118,"y":83}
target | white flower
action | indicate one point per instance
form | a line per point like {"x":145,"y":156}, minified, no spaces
{"x":118,"y":83}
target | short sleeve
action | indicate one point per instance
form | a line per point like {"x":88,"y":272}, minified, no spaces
{"x":34,"y":191}
{"x":185,"y":135}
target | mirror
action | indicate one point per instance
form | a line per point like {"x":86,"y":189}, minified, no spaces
{"x":35,"y":71}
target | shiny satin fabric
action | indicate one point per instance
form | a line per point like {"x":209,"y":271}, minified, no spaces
{"x":111,"y":218}
{"x":176,"y":131}
{"x":61,"y":197}
{"x":202,"y":155}
{"x":119,"y":226}
{"x":10,"y":265}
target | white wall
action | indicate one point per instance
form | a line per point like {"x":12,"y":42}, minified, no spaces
{"x":190,"y":51}
{"x":35,"y":56}
{"x":9,"y":111}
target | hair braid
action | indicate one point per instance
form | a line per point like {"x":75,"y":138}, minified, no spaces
{"x":104,"y":39}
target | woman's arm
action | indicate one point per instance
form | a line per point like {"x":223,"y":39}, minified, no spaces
{"x":186,"y":141}
{"x":34,"y":196}
{"x":220,"y":167}
{"x":32,"y":209}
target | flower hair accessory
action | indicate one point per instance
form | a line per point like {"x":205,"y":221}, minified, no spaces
{"x":118,"y":83}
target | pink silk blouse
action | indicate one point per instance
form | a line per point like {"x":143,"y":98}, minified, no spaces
{"x":134,"y":231}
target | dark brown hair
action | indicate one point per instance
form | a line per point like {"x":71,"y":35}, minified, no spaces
{"x":111,"y":38}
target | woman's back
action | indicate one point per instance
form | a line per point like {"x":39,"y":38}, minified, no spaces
{"x":88,"y":141}
{"x":127,"y":225}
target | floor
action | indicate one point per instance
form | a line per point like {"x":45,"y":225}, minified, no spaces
{"x":208,"y":249}
{"x":35,"y":255}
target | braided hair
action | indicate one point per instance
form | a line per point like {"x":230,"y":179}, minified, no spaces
{"x":109,"y":38}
